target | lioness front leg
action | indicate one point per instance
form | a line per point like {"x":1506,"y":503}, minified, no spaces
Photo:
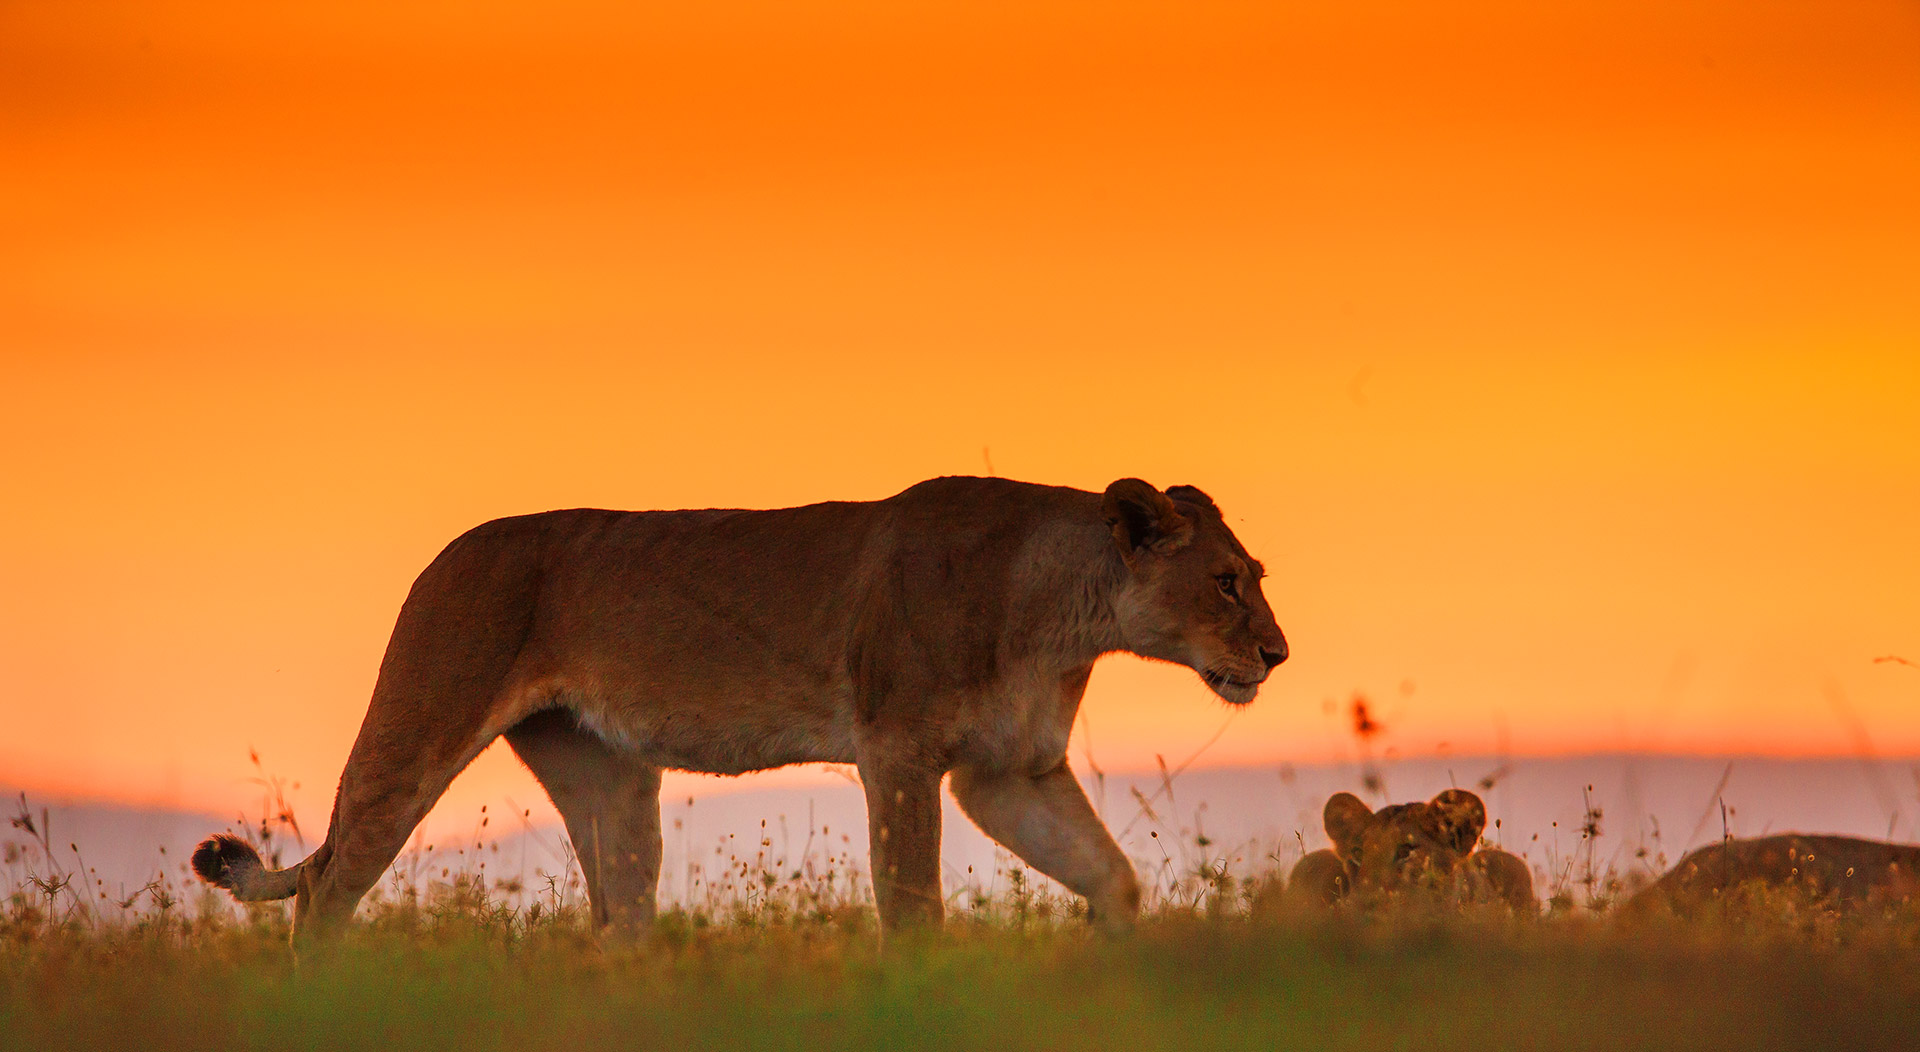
{"x":903,"y":826}
{"x":1047,"y":821}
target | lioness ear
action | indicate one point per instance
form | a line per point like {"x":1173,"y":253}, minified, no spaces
{"x":1142,"y":518}
{"x":1346,"y":818}
{"x":1192,"y":495}
{"x":1462,"y":817}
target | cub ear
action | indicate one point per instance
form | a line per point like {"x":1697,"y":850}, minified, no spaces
{"x":1142,"y":519}
{"x":1462,"y":817}
{"x":1346,"y":818}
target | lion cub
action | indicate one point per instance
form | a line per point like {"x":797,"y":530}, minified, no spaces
{"x":1422,"y":849}
{"x":1841,"y":869}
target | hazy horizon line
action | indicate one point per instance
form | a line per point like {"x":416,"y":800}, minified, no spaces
{"x":829,"y":774}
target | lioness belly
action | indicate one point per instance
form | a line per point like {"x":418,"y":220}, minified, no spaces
{"x":691,"y":641}
{"x":709,"y":735}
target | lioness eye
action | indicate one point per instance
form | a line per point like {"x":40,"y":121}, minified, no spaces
{"x":1226,"y":582}
{"x":1402,"y":853}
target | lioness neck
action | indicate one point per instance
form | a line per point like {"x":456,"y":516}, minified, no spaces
{"x":1067,"y":582}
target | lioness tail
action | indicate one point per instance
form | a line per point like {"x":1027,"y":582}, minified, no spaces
{"x":226,"y":861}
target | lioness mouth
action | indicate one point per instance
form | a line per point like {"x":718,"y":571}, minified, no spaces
{"x":1221,"y":679}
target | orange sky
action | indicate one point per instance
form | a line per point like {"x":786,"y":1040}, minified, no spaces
{"x":1562,"y":361}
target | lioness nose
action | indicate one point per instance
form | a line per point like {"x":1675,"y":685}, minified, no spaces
{"x":1274,"y":657}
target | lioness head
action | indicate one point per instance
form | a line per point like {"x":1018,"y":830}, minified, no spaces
{"x":1192,"y":594}
{"x":1406,"y":846}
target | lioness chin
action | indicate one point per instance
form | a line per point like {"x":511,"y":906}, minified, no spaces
{"x":948,"y":629}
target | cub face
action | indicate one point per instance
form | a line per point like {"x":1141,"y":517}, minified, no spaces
{"x":1407,"y":847}
{"x":1408,"y":853}
{"x":1192,"y":594}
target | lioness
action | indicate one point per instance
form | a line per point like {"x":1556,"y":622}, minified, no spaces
{"x":949,"y":628}
{"x":1425,"y":849}
{"x":1842,"y":870}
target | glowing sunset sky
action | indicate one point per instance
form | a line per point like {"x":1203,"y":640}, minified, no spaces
{"x":1562,"y":361}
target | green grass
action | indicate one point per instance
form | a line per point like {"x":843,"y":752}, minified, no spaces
{"x":1756,"y":977}
{"x":782,"y":953}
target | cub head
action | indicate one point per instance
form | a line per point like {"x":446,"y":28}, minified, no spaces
{"x":1406,"y":847}
{"x":1192,"y":593}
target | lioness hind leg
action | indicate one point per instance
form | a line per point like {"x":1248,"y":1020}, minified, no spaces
{"x":611,"y":805}
{"x":439,"y":701}
{"x":1048,"y":822}
{"x":385,"y":790}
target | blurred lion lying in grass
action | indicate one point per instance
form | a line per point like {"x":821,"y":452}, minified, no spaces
{"x":1838,"y":871}
{"x":1405,"y":853}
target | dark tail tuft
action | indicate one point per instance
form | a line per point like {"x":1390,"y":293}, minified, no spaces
{"x":222,"y":857}
{"x":226,"y":861}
